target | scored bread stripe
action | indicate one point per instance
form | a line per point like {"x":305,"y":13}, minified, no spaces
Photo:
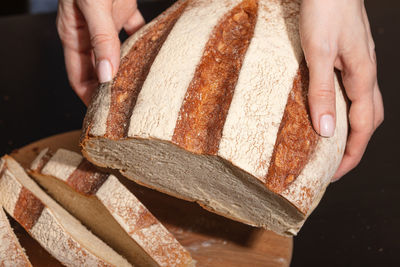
{"x":49,"y":228}
{"x":11,"y":252}
{"x":62,"y":164}
{"x":71,"y":168}
{"x":28,"y":209}
{"x":138,"y":222}
{"x":95,"y":122}
{"x":296,"y":139}
{"x":132,"y":73}
{"x":207,"y":100}
{"x":85,"y":179}
{"x":306,"y":190}
{"x":151,"y":116}
{"x":261,"y":94}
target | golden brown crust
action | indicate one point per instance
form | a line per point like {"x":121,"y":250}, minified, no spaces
{"x":27,"y":209}
{"x":132,"y":73}
{"x":296,"y":139}
{"x":86,"y":179}
{"x":208,"y":98}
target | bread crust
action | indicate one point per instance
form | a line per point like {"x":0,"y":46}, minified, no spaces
{"x":258,"y":122}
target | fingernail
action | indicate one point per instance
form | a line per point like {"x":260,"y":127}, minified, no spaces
{"x":104,"y":71}
{"x":326,"y":125}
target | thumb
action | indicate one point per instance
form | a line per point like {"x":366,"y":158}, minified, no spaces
{"x":321,"y":95}
{"x":103,"y":37}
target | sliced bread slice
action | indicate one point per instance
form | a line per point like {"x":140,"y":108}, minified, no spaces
{"x":11,"y":252}
{"x":107,"y":208}
{"x":52,"y":226}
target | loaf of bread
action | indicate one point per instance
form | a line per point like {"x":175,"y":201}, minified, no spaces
{"x":11,"y":252}
{"x":108,"y":209}
{"x":210,"y":105}
{"x":46,"y":221}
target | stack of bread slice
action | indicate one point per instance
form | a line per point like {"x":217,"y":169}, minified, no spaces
{"x":122,"y":232}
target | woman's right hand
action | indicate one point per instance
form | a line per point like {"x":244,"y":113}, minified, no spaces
{"x":88,"y":30}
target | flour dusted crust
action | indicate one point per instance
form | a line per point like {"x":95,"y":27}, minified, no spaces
{"x":249,"y":154}
{"x":140,"y":237}
{"x":48,"y":223}
{"x":11,"y":252}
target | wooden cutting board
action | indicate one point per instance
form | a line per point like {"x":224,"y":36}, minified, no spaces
{"x":211,"y":239}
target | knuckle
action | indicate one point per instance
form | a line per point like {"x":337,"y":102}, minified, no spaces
{"x":365,"y":126}
{"x":324,"y":94}
{"x":85,"y":2}
{"x":372,"y":45}
{"x":373,"y":56}
{"x":367,"y":67}
{"x":316,"y":48}
{"x":99,"y":39}
{"x":62,"y":29}
{"x":365,"y":75}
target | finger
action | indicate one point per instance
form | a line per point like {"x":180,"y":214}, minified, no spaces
{"x":135,"y":22}
{"x":81,"y":73}
{"x":378,"y":107}
{"x":359,"y":83}
{"x":362,"y":126}
{"x":103,"y":37}
{"x":321,"y":92}
{"x":76,"y":43}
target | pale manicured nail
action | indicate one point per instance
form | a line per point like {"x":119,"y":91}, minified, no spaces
{"x":326,"y":125}
{"x":104,"y":71}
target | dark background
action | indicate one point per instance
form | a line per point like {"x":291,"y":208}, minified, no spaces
{"x":358,"y":220}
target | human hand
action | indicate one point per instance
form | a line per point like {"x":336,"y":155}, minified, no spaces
{"x":336,"y":34}
{"x":88,"y":31}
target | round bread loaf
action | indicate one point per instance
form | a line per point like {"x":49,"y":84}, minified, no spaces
{"x":210,"y":105}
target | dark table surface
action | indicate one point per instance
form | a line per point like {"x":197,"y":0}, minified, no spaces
{"x":358,"y":220}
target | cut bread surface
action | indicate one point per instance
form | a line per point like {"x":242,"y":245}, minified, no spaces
{"x":11,"y":252}
{"x":54,"y":228}
{"x":112,"y":212}
{"x":222,"y":116}
{"x":234,"y":193}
